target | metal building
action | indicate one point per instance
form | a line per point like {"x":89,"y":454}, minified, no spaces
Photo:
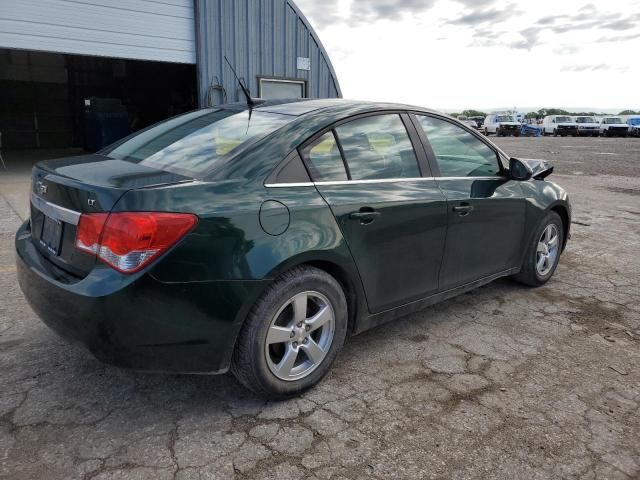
{"x":146,"y":60}
{"x":272,"y":45}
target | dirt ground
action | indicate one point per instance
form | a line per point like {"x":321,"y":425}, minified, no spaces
{"x":505,"y":382}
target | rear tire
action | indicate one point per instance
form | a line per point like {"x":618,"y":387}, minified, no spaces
{"x":541,"y":261}
{"x":270,"y":357}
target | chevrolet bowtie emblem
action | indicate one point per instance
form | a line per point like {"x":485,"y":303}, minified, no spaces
{"x":41,"y":188}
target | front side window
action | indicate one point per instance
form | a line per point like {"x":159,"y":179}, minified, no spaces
{"x":378,"y":147}
{"x":192,"y":143}
{"x":459,"y":153}
{"x":324,"y":159}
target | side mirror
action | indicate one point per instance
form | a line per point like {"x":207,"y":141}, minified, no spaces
{"x":519,"y":171}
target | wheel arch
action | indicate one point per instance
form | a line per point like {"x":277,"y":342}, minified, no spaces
{"x":340,"y":266}
{"x":563,"y":212}
{"x":348,"y":287}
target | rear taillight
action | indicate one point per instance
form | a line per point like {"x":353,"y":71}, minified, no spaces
{"x":89,"y":230}
{"x":128,"y":241}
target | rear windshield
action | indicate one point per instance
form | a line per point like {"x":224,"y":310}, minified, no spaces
{"x":193,"y":143}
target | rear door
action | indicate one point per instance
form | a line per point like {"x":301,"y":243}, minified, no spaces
{"x":393,"y":219}
{"x":486,"y":211}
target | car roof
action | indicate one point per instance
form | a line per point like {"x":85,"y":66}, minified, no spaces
{"x":301,"y":107}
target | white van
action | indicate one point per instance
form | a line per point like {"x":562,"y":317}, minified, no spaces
{"x":613,"y":127}
{"x":501,"y":125}
{"x":588,"y":126}
{"x":562,"y":125}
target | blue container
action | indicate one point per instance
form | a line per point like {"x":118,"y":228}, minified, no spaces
{"x":106,"y":120}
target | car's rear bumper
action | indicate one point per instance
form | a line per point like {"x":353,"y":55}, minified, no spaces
{"x":137,"y":321}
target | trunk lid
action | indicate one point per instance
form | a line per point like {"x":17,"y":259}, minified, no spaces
{"x":63,"y":189}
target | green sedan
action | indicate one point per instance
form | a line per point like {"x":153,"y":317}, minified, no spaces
{"x":258,"y":239}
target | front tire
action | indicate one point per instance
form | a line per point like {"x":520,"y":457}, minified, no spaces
{"x":292,"y":335}
{"x":543,"y":253}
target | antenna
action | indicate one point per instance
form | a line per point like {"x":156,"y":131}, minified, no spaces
{"x":250,"y":101}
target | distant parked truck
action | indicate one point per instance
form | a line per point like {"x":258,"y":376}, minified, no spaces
{"x":633,"y":126}
{"x":501,"y":125}
{"x":478,"y":120}
{"x":613,"y":127}
{"x":587,"y":126}
{"x":562,"y":125}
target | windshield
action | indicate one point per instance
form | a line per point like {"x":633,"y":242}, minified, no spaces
{"x":505,"y":118}
{"x":563,"y":119}
{"x":585,"y":120}
{"x":634,"y":121}
{"x":192,"y":143}
{"x":611,"y":120}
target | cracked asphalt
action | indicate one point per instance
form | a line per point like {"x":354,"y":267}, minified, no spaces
{"x":505,"y":382}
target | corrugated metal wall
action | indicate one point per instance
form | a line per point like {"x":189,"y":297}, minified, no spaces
{"x":261,"y":38}
{"x":136,"y":29}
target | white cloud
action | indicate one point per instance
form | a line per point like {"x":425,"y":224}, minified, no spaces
{"x":451,"y":54}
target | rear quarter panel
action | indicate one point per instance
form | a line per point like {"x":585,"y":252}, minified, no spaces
{"x":229,"y":242}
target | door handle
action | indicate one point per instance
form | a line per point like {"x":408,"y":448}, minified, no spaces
{"x":463,"y":210}
{"x":365,"y":215}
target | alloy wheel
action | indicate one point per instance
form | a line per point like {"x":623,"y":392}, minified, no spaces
{"x":300,"y":336}
{"x":547,"y":251}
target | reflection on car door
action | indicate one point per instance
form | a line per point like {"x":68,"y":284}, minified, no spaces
{"x":486,"y":211}
{"x":393,"y":221}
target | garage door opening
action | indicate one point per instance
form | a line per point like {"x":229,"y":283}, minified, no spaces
{"x":53,"y":101}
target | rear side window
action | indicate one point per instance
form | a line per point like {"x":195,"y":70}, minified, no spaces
{"x":324,"y":159}
{"x":193,"y":143}
{"x":378,"y":147}
{"x":459,"y":153}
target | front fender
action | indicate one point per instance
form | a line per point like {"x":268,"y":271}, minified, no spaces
{"x":542,"y":197}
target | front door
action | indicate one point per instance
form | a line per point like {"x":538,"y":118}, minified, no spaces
{"x":486,"y":211}
{"x":393,"y":220}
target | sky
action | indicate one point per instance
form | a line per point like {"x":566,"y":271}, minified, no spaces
{"x":484,"y":54}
